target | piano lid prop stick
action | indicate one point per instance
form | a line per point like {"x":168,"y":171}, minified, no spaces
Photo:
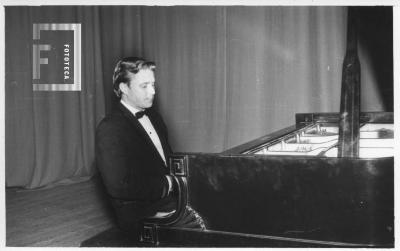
{"x":349,"y":121}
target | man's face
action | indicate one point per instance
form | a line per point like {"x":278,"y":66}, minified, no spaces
{"x":140,"y":93}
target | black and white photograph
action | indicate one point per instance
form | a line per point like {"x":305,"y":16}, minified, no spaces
{"x":215,"y":124}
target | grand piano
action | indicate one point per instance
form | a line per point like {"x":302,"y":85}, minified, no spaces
{"x":326,"y":181}
{"x":288,"y":189}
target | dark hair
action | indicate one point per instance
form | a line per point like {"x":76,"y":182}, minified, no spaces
{"x":126,"y":66}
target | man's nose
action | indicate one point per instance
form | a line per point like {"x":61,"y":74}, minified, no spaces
{"x":152,"y":90}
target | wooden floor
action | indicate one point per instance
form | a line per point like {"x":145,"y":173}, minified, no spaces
{"x":61,"y":216}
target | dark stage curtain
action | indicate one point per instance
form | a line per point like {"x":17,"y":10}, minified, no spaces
{"x":225,"y":75}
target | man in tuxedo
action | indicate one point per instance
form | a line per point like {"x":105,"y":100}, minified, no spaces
{"x":131,"y":150}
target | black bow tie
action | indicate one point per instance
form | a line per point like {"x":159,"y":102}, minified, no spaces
{"x":140,"y":114}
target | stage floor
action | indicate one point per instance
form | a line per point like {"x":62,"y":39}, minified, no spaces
{"x":61,"y":216}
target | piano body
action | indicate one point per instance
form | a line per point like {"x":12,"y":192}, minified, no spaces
{"x":288,"y":189}
{"x":327,"y":181}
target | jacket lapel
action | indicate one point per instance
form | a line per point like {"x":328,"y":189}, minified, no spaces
{"x":141,"y":131}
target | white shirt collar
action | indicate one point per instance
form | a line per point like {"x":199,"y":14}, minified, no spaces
{"x":132,"y":109}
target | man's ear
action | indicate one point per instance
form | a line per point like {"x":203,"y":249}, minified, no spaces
{"x":123,"y":87}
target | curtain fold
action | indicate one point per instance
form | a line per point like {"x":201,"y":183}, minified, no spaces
{"x":225,"y":75}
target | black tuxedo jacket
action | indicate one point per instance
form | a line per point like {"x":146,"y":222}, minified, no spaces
{"x":131,"y":167}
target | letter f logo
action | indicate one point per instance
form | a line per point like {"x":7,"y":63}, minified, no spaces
{"x":37,"y":60}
